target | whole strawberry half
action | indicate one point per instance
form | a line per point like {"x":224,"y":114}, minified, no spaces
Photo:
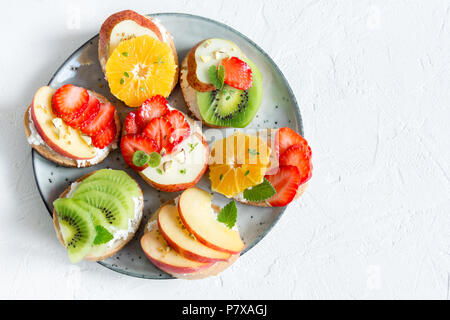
{"x":131,"y":143}
{"x":155,"y":107}
{"x":181,"y":127}
{"x":161,"y":131}
{"x":300,"y":157}
{"x":93,"y":107}
{"x":286,"y":182}
{"x":69,"y":101}
{"x":105,"y":137}
{"x":238,"y":74}
{"x":99,"y":123}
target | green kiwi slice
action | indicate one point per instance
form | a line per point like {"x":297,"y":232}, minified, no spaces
{"x":231,"y":107}
{"x":119,"y":177}
{"x":77,"y":228}
{"x":112,"y":209}
{"x":120,"y":192}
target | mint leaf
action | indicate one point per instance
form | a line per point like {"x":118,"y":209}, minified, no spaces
{"x":154,"y":159}
{"x":103,"y":235}
{"x":260,"y":192}
{"x":228,"y":214}
{"x":140,"y":158}
{"x":217,"y":76}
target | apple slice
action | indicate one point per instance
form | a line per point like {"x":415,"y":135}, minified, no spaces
{"x":60,"y":137}
{"x":181,"y":169}
{"x":181,"y":240}
{"x":205,"y":54}
{"x":164,"y":257}
{"x":194,"y":207}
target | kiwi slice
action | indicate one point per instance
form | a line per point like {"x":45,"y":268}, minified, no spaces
{"x":76,"y":227}
{"x":112,"y":209}
{"x":231,"y":107}
{"x":119,"y":177}
{"x":107,"y":186}
{"x":97,"y":216}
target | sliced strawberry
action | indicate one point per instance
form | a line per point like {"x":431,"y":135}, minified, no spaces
{"x":286,"y":137}
{"x":160,"y":130}
{"x":99,"y":123}
{"x":238,"y":74}
{"x":105,"y":137}
{"x":154,"y":107}
{"x":131,"y":143}
{"x":93,"y":106}
{"x":286,"y":182}
{"x":181,"y":127}
{"x":69,"y":101}
{"x":131,"y":123}
{"x":299,"y":156}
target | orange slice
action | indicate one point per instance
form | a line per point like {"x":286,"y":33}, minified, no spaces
{"x":238,"y":162}
{"x":140,"y":68}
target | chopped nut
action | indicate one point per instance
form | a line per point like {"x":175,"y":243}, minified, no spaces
{"x":207,"y":43}
{"x":217,"y":54}
{"x":167,"y":165}
{"x":180,"y":157}
{"x":87,"y":139}
{"x":57,"y":123}
{"x":205,"y":58}
{"x":167,"y":249}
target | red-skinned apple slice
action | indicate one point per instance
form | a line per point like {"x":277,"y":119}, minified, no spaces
{"x":177,"y":236}
{"x":164,"y":257}
{"x":194,"y":207}
{"x":65,"y":140}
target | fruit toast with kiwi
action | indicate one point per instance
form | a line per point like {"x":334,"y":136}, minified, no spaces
{"x":220,"y":85}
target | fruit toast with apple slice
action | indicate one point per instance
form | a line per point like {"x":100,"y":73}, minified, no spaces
{"x":164,"y":146}
{"x":191,"y":238}
{"x":138,"y":57}
{"x":72,"y":126}
{"x":270,"y":169}
{"x":220,"y":85}
{"x":98,"y":214}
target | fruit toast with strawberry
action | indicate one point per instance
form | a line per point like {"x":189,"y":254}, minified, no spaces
{"x":164,"y":145}
{"x":220,"y":85}
{"x":270,"y":169}
{"x":72,"y":126}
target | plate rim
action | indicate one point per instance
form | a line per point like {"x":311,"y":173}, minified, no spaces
{"x":292,"y":98}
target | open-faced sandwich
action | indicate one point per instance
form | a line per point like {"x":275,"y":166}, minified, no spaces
{"x":269,"y":169}
{"x":138,"y":57}
{"x":72,"y":126}
{"x":98,"y":214}
{"x":165,"y":146}
{"x":220,"y":85}
{"x":191,"y":238}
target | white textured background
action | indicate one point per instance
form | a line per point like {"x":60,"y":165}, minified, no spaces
{"x":373,"y":82}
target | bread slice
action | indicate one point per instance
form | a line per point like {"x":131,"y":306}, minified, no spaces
{"x":48,"y":153}
{"x":113,"y":249}
{"x":144,"y":21}
{"x":210,"y":271}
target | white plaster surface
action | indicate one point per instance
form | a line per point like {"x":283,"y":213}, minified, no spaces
{"x":373,"y":82}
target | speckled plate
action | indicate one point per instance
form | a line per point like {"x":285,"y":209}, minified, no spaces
{"x":279,"y":108}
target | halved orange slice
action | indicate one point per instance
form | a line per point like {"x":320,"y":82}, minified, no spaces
{"x":238,"y":162}
{"x":140,"y":68}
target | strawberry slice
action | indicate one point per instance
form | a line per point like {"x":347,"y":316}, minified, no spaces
{"x":286,"y":182}
{"x":93,"y":106}
{"x":154,"y":107}
{"x":181,"y":127}
{"x":131,"y":123}
{"x":99,"y":123}
{"x":105,"y":137}
{"x":300,"y":157}
{"x":131,"y":143}
{"x":160,"y":130}
{"x":69,"y":101}
{"x":286,"y":137}
{"x":238,"y":74}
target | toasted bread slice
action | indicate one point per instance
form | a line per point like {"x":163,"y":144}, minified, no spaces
{"x":113,"y":249}
{"x":147,"y":22}
{"x":48,"y":153}
{"x":209,"y":271}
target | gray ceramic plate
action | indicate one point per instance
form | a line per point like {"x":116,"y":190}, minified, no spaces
{"x":279,"y":108}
